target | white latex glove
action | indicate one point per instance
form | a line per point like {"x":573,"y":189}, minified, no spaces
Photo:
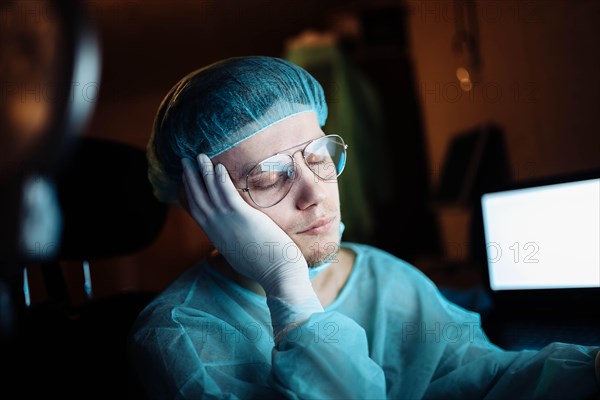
{"x":251,"y":242}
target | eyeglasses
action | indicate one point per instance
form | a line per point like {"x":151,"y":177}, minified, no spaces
{"x":268,"y":182}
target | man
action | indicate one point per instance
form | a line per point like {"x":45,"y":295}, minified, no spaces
{"x":282,"y":308}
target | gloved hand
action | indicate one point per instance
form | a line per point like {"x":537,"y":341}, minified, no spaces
{"x":251,"y":242}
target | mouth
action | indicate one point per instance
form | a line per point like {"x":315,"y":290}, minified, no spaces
{"x":319,"y":226}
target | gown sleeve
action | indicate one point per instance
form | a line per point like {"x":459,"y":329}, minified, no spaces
{"x":193,"y":355}
{"x":327,"y":357}
{"x":473,"y":367}
{"x":190,"y":354}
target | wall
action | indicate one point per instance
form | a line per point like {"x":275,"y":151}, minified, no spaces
{"x":539,"y":80}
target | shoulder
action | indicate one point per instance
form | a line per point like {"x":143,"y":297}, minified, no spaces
{"x":181,"y":294}
{"x":392,"y":275}
{"x":382,"y":262}
{"x":401,"y":283}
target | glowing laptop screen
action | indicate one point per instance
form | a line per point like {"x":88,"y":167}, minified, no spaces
{"x":543,"y":237}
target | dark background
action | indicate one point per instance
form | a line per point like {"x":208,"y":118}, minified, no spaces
{"x":537,"y":80}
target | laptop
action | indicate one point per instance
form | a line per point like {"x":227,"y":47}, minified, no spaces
{"x":542,"y":261}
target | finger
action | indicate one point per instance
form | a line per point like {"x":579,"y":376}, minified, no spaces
{"x":195,"y":211}
{"x":212,"y":182}
{"x":196,"y":190}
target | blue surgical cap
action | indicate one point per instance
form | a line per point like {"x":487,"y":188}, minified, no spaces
{"x":216,"y":107}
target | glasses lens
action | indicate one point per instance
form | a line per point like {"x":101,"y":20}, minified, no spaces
{"x":326,"y":157}
{"x":271,"y":180}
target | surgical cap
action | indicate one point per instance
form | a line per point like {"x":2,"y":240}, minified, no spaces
{"x":216,"y":107}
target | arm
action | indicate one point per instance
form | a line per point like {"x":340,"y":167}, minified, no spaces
{"x":475,"y":367}
{"x":186,"y":353}
{"x":327,"y":357}
{"x":190,"y":354}
{"x":304,"y":362}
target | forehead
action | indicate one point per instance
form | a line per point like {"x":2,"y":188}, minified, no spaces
{"x":279,"y":137}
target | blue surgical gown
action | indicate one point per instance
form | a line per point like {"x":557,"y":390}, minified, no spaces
{"x":389,"y":334}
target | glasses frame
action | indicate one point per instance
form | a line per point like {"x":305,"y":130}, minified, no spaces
{"x":291,"y":155}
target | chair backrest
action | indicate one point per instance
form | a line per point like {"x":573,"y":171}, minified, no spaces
{"x":108,"y":206}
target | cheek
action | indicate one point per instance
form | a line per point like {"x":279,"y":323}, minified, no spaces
{"x":329,"y":197}
{"x":333,"y":193}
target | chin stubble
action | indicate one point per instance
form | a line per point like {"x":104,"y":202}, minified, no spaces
{"x":326,"y":253}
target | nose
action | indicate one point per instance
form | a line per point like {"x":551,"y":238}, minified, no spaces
{"x":308,"y":189}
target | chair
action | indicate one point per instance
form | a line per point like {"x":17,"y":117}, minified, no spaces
{"x":108,"y":211}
